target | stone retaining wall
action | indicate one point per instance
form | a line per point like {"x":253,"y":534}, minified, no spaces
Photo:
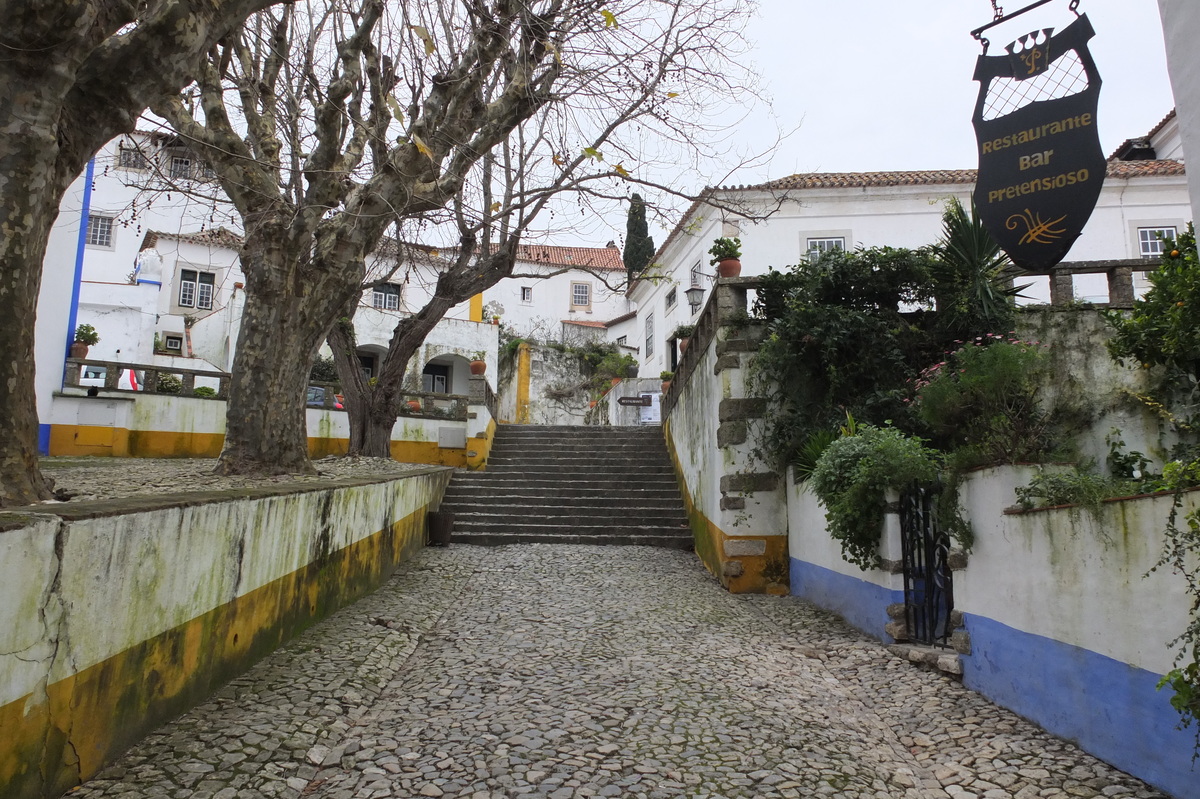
{"x":120,"y":614}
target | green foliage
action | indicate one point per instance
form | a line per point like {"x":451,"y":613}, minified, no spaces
{"x":86,"y":334}
{"x":984,"y":396}
{"x":811,"y":451}
{"x":323,"y":370}
{"x":204,"y":391}
{"x":611,"y":366}
{"x":836,"y":342}
{"x":639,"y":246}
{"x":724,"y":248}
{"x":684,"y":331}
{"x":969,"y":270}
{"x":852,"y":478}
{"x":169,"y":384}
{"x":1076,"y":487}
{"x":666,"y":375}
{"x":1164,"y":327}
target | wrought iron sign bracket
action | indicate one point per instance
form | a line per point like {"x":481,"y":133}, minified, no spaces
{"x":1002,"y":17}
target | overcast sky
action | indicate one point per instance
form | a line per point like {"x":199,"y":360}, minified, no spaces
{"x":879,"y":85}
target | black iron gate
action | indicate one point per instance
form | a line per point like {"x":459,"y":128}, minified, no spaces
{"x":928,"y":591}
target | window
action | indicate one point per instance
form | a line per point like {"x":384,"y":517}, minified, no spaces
{"x":581,"y":295}
{"x":206,"y":171}
{"x":130,"y":157}
{"x":818,"y":246}
{"x":696,"y":273}
{"x":173,"y":343}
{"x":196,"y":289}
{"x":386,"y":297}
{"x":649,"y":335}
{"x":1152,"y":240}
{"x":672,"y":298}
{"x":181,"y":167}
{"x":621,"y":341}
{"x":100,"y":231}
{"x":526,"y":294}
{"x":435,"y":379}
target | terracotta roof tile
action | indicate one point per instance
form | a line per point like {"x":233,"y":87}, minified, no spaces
{"x":608,"y":258}
{"x":583,"y":323}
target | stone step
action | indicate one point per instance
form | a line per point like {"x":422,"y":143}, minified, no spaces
{"x":598,"y":433}
{"x":518,"y":502}
{"x":580,"y":472}
{"x":640,"y":455}
{"x":509,"y":480}
{"x":563,"y":515}
{"x":465,"y":523}
{"x":498,"y":539}
{"x":522,"y":492}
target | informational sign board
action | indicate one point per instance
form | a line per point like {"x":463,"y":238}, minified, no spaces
{"x":1041,"y":167}
{"x":642,"y":401}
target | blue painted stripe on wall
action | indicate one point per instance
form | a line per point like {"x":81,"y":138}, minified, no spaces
{"x":1110,"y":708}
{"x":43,"y":439}
{"x":861,"y":603}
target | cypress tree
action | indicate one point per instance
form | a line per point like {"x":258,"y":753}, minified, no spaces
{"x":639,"y":246}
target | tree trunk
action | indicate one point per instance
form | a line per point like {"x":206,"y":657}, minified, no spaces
{"x":281,"y":331}
{"x":25,"y":218}
{"x":30,"y":189}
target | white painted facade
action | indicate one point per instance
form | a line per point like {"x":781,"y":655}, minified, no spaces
{"x":895,"y":209}
{"x":182,"y":251}
{"x":1181,"y":32}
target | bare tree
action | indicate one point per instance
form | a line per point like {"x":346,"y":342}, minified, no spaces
{"x":73,"y":74}
{"x":327,"y":127}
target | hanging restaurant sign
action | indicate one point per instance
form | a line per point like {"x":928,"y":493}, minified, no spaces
{"x":1041,"y":167}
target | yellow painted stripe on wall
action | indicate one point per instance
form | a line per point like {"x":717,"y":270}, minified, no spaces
{"x":524,"y":356}
{"x":80,"y":723}
{"x":481,"y":446}
{"x":475,"y":310}
{"x":119,"y":442}
{"x":709,"y":540}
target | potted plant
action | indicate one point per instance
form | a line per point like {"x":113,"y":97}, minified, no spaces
{"x":478,"y":363}
{"x":666,"y":378}
{"x":682,"y":334}
{"x":726,"y":256}
{"x":85,"y":337}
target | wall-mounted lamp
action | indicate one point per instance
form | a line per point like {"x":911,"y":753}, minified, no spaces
{"x":695,"y":295}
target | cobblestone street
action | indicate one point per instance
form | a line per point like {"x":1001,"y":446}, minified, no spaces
{"x":571,"y":671}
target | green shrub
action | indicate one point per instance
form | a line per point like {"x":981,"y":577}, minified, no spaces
{"x":169,"y":384}
{"x":1076,"y":487}
{"x":204,"y":391}
{"x":984,"y":397}
{"x":852,"y":478}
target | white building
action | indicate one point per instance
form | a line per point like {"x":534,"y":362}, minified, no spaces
{"x":1141,"y":200}
{"x":157,"y":274}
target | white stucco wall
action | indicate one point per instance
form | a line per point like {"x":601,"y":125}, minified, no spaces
{"x":1181,"y":31}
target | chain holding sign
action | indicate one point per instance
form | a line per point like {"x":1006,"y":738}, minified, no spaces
{"x":1041,"y":167}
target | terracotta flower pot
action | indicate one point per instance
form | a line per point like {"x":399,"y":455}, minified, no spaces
{"x":729,"y":267}
{"x":79,"y":350}
{"x":414,"y":405}
{"x":666,"y":385}
{"x":683,"y":345}
{"x":478,"y":367}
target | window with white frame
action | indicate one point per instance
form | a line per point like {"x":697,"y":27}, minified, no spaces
{"x":180,"y":167}
{"x":817,"y":246}
{"x":1152,"y":240}
{"x":173,"y":343}
{"x":130,"y":157}
{"x":672,"y":298}
{"x":100,"y":230}
{"x":526,"y":294}
{"x":649,"y":334}
{"x":386,"y":297}
{"x":696,"y":275}
{"x":196,"y":289}
{"x":581,"y":295}
{"x":621,"y":340}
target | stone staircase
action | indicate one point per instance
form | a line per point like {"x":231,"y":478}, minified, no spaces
{"x":571,"y":485}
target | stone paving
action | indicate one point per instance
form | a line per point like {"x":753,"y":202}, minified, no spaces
{"x":571,"y":671}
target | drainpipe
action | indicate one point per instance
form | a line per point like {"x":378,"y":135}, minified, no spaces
{"x":84,"y":213}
